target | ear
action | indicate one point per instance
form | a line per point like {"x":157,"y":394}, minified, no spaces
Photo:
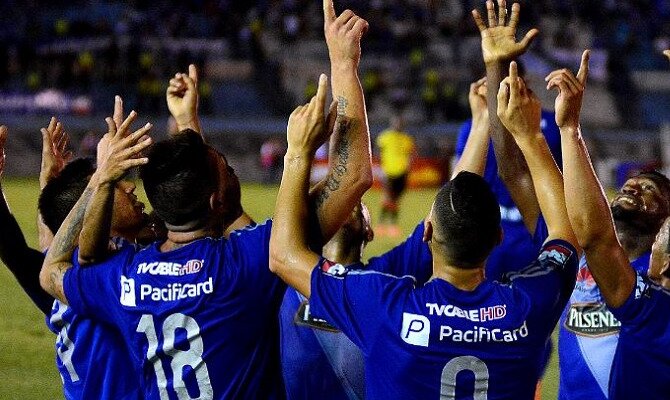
{"x":427,"y":230}
{"x":369,"y":234}
{"x":214,"y":202}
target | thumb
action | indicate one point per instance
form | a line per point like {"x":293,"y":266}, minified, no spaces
{"x":583,"y":72}
{"x":193,"y":74}
{"x":528,"y":39}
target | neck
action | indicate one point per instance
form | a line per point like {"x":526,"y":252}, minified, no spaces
{"x":464,"y":279}
{"x":342,"y":252}
{"x":176,"y":240}
{"x":633,"y":242}
{"x":242,"y":221}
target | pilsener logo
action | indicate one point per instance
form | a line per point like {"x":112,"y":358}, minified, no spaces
{"x":415,"y":329}
{"x":127,"y":292}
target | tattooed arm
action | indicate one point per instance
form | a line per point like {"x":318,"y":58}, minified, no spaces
{"x":350,"y":174}
{"x":116,"y":155}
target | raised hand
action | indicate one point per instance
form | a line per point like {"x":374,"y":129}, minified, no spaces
{"x":118,"y":150}
{"x":55,"y":153}
{"x":182,"y":99}
{"x":477,"y":100}
{"x":570,"y":92}
{"x":307,"y":126}
{"x":499,"y":38}
{"x":343,"y":34}
{"x":518,"y":108}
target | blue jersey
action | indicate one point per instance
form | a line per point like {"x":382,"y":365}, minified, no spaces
{"x":316,"y":360}
{"x":641,"y":368}
{"x":588,"y":338}
{"x":92,"y":358}
{"x":416,"y":342}
{"x":201,"y":320}
{"x":518,"y":249}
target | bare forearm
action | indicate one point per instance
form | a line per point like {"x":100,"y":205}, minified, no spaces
{"x":476,"y":149}
{"x":548,"y":184}
{"x":512,"y":166}
{"x":290,"y":256}
{"x":95,"y":232}
{"x":190,"y":123}
{"x":59,"y":257}
{"x":587,"y":208}
{"x":349,"y":176}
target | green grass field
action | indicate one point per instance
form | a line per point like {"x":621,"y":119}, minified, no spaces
{"x":27,"y":366}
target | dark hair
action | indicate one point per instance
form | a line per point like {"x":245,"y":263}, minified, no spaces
{"x":179,"y":179}
{"x":466,"y":218}
{"x":661,"y":180}
{"x":62,"y":192}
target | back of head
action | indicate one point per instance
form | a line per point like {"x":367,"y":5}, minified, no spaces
{"x":179,"y":180}
{"x":62,"y":192}
{"x":466,"y":220}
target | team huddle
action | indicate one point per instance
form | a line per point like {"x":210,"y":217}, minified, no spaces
{"x":199,"y":301}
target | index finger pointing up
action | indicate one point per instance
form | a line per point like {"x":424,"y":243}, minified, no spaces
{"x":583,"y":72}
{"x":321,"y":94}
{"x":328,"y":12}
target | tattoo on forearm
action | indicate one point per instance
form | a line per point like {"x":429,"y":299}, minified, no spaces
{"x":64,"y":242}
{"x":340,"y":168}
{"x":342,"y":104}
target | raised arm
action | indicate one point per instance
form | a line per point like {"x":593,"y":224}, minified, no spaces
{"x":55,"y":155}
{"x":290,"y":257}
{"x":476,"y":148}
{"x":182,"y":100}
{"x":499,"y":47}
{"x":588,"y":210}
{"x":519,"y":109}
{"x":117,"y":153}
{"x":350,"y":175}
{"x":23,"y":261}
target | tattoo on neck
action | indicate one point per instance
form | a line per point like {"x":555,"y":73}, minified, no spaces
{"x":340,"y":168}
{"x":342,"y":104}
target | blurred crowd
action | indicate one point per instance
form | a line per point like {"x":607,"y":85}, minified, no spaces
{"x":131,"y":46}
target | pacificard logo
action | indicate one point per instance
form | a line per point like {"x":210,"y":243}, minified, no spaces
{"x":170,"y":268}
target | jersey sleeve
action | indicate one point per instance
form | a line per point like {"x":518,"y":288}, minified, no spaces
{"x":249,"y":251}
{"x":357,"y":302}
{"x":412,"y":257}
{"x":644,"y":298}
{"x":549,"y":280}
{"x":99,"y":290}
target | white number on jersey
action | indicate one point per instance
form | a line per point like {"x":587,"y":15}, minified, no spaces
{"x":64,"y":346}
{"x":179,"y":358}
{"x":465,"y":363}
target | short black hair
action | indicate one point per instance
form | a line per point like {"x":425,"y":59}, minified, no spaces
{"x":660,"y":179}
{"x":179,"y":178}
{"x":62,"y":192}
{"x":466,"y":218}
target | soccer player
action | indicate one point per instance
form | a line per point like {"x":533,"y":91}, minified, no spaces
{"x":316,"y":357}
{"x":590,"y":330}
{"x":396,"y":149}
{"x":517,"y":249}
{"x":509,"y":178}
{"x":637,"y":298}
{"x":92,"y":358}
{"x":416,"y":342}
